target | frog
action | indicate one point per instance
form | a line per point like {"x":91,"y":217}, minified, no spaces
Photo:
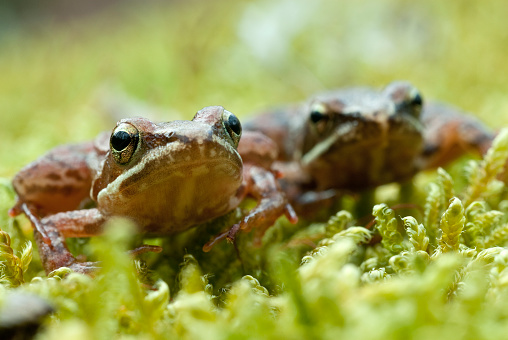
{"x":352,"y":140}
{"x":165,"y":177}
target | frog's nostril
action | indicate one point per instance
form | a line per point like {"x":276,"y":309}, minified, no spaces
{"x":417,"y":100}
{"x":171,"y":137}
{"x":353,"y":114}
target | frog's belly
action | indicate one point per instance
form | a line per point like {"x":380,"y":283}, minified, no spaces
{"x":184,"y":199}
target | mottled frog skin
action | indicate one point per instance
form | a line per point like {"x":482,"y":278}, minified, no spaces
{"x":166,"y":177}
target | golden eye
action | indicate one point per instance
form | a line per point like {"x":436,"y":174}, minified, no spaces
{"x":233,"y":126}
{"x":123,"y":142}
{"x":318,"y":112}
{"x":406,"y":97}
{"x":319,"y":118}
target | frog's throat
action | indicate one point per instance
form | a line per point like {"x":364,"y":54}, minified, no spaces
{"x":323,"y":146}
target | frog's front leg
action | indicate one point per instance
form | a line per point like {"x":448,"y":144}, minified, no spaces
{"x":261,"y":182}
{"x":259,"y":153}
{"x":50,"y":233}
{"x":272,"y":202}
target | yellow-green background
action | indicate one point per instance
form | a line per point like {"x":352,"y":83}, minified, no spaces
{"x":244,"y":55}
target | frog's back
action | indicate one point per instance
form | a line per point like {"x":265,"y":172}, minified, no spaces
{"x":58,"y":181}
{"x":278,"y":125}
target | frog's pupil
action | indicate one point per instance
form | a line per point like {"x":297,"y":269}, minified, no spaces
{"x":234,"y":124}
{"x":316,"y":116}
{"x":120,"y":140}
{"x":417,"y":100}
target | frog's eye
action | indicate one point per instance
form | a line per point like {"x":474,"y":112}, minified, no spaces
{"x":123,"y":142}
{"x":406,"y":97}
{"x":415,"y":102}
{"x":319,"y":117}
{"x":318,"y":113}
{"x":233,"y":127}
{"x":417,"y":99}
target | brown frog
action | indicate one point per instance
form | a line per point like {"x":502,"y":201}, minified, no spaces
{"x":355,"y":139}
{"x":166,"y":177}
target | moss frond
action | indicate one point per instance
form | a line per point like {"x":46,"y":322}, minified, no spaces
{"x":190,"y":277}
{"x":401,"y":263}
{"x":492,"y":164}
{"x":417,"y":233}
{"x":432,"y":211}
{"x":26,"y":256}
{"x":452,"y":224}
{"x":480,"y":222}
{"x":387,"y":225}
{"x":446,"y":183}
{"x":11,"y":266}
{"x":338,"y":253}
{"x":358,"y":235}
{"x":156,"y":300}
{"x":374,"y":275}
{"x":476,"y":262}
{"x":338,"y":222}
{"x":497,"y":237}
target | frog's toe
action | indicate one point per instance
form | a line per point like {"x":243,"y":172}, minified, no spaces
{"x":145,"y":248}
{"x":215,"y":239}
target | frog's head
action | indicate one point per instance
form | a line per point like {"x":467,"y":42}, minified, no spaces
{"x":158,"y":172}
{"x":345,"y":125}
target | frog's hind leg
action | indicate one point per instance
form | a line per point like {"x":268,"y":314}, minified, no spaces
{"x":50,"y":233}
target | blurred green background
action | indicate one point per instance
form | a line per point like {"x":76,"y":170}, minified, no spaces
{"x":56,"y":58}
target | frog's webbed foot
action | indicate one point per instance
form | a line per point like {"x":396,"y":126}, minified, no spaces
{"x":50,"y":233}
{"x":449,"y":133}
{"x":272,"y":203}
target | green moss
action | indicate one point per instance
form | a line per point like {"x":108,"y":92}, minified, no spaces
{"x":483,"y":176}
{"x":388,"y":226}
{"x":403,"y":288}
{"x":452,"y":224}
